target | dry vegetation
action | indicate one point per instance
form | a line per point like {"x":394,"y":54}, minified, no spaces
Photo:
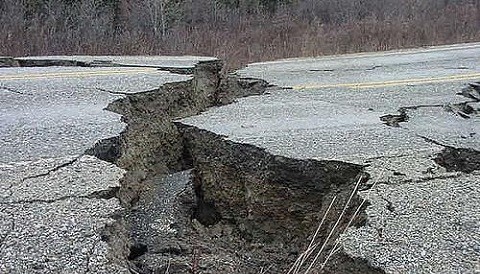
{"x":239,"y":31}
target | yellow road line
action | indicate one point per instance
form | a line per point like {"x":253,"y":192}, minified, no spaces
{"x":360,"y":85}
{"x":74,"y":74}
{"x":408,"y":51}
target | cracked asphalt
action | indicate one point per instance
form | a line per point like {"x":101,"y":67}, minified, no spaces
{"x":54,"y":202}
{"x":60,"y":110}
{"x":422,"y":218}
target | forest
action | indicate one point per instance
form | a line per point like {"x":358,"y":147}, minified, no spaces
{"x":239,"y":31}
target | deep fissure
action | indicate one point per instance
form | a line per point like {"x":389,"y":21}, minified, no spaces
{"x":244,"y":208}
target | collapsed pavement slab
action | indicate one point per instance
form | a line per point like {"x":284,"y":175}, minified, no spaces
{"x":59,"y":207}
{"x":422,"y":215}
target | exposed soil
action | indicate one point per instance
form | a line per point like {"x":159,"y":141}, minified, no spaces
{"x":394,"y":120}
{"x":459,"y":159}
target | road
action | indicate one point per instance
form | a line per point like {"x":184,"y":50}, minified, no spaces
{"x":54,"y":214}
{"x":56,"y":205}
{"x":422,"y":217}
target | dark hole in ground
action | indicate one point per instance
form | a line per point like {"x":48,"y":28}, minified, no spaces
{"x":109,"y":193}
{"x":206,"y":213}
{"x":258,"y":208}
{"x":459,"y":159}
{"x":137,"y":250}
{"x":107,"y":149}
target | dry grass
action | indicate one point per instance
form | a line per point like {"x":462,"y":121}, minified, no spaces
{"x":309,"y":28}
{"x":305,"y":263}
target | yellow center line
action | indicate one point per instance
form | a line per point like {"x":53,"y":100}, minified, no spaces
{"x":360,"y":85}
{"x":74,"y":74}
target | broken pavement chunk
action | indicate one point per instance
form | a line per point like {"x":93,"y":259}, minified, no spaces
{"x":472,"y":91}
{"x":394,"y":120}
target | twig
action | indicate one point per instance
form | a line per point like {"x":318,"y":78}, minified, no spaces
{"x":168,"y":266}
{"x":335,"y":249}
{"x":311,"y":247}
{"x":332,"y":252}
{"x":264,"y":271}
{"x":194,"y":262}
{"x":334,"y":226}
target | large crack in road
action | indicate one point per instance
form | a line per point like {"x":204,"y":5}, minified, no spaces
{"x":195,"y":201}
{"x":200,"y":204}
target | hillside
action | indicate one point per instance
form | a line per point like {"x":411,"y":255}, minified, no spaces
{"x":238,"y":31}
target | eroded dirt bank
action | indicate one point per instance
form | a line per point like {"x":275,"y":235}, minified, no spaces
{"x":200,"y":204}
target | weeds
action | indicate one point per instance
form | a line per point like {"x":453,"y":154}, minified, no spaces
{"x":300,"y":265}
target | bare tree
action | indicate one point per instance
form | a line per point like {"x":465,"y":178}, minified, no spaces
{"x":237,"y":30}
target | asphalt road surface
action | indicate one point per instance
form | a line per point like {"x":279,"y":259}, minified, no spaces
{"x":51,"y":218}
{"x":422,"y":218}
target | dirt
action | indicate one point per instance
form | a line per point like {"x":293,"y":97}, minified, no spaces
{"x":394,"y":120}
{"x":472,"y":91}
{"x":459,"y":159}
{"x":107,"y":149}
